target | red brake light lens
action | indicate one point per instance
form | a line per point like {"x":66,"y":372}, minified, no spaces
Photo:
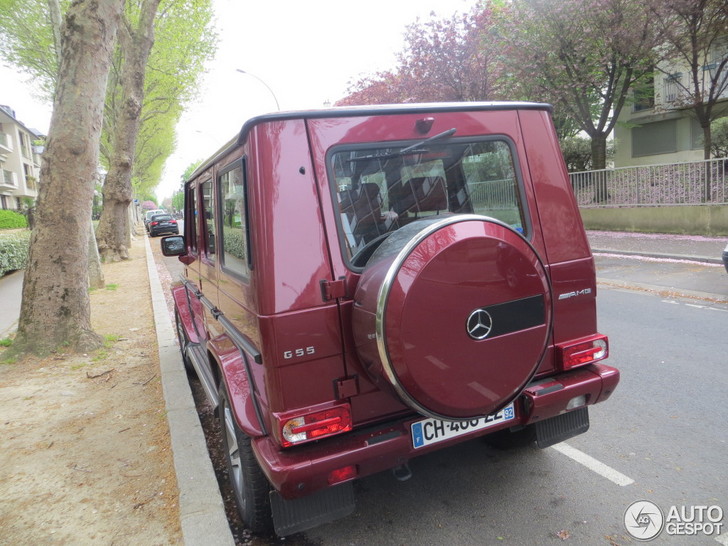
{"x":313,"y":426}
{"x":342,"y":474}
{"x":584,"y":351}
{"x":154,"y":223}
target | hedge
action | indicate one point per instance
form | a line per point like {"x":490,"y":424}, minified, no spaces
{"x":9,"y":219}
{"x":13,"y":251}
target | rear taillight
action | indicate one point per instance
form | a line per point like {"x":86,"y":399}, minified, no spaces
{"x":298,"y":429}
{"x":583,"y":351}
{"x":153,"y":223}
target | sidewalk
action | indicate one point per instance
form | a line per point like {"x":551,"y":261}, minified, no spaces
{"x":656,"y":245}
{"x":106,"y":450}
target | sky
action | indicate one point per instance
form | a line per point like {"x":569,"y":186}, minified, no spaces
{"x":302,"y":54}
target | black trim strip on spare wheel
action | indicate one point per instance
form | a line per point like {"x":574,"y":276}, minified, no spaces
{"x":513,"y":316}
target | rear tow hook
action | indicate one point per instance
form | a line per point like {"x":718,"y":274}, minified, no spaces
{"x":402,"y":472}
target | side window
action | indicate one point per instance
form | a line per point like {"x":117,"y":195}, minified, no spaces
{"x":492,"y":184}
{"x":233,"y":212}
{"x":208,"y":212}
{"x":191,"y":218}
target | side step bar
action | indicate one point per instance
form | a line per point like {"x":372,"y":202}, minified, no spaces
{"x":197,"y":356}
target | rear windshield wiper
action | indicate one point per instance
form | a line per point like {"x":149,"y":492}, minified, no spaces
{"x":414,"y":149}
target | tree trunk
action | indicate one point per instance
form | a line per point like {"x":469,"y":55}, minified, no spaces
{"x":95,"y":274}
{"x":599,"y":162}
{"x":113,"y":234}
{"x":55,"y":309}
{"x":707,"y":142}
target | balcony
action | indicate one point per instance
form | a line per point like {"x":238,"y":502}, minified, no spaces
{"x":8,"y":181}
{"x":5,"y":143}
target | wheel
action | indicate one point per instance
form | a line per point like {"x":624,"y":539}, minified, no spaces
{"x":182,"y":338}
{"x":250,"y":486}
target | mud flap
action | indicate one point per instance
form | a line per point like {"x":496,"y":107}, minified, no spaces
{"x":562,"y":427}
{"x":296,"y":515}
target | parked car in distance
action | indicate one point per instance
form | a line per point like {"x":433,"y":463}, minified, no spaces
{"x":725,"y":257}
{"x":363,"y":286}
{"x":161,"y":224}
{"x":148,"y":216}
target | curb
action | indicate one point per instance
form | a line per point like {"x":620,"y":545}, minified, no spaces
{"x":201,"y":510}
{"x":658,"y":255}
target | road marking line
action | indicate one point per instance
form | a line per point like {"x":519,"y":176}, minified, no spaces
{"x":592,"y":464}
{"x":722,"y":539}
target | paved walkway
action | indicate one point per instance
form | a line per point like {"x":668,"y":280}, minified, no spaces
{"x":656,"y":245}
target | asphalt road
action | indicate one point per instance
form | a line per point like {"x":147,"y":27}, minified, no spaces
{"x":663,"y":437}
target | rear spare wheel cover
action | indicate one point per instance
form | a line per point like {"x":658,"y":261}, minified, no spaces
{"x":453,"y":314}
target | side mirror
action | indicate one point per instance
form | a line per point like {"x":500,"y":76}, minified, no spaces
{"x":174,"y":245}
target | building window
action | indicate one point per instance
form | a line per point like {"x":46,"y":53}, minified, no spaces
{"x":655,"y":138}
{"x":673,"y":88}
{"x":644,"y":95}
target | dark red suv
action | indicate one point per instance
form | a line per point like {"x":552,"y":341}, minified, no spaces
{"x":365,"y":285}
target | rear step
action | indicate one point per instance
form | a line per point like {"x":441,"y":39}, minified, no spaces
{"x":562,"y":427}
{"x":324,"y":506}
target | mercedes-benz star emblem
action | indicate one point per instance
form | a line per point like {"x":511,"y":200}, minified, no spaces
{"x":480,"y":323}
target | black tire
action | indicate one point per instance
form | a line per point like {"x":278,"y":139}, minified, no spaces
{"x":512,"y":439}
{"x":250,"y":486}
{"x":183,"y":341}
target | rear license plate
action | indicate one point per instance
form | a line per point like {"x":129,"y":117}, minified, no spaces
{"x":431,"y":431}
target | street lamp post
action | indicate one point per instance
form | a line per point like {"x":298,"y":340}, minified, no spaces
{"x":261,"y":81}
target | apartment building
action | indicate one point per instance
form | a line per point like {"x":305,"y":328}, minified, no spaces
{"x":660,"y":127}
{"x":19,"y":160}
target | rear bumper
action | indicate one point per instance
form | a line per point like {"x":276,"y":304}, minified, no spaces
{"x":300,"y":471}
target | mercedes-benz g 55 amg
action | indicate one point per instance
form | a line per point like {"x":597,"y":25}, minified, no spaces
{"x":365,"y":285}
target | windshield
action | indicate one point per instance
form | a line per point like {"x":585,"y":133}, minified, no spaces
{"x":380,"y":189}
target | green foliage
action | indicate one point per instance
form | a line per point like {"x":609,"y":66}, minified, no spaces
{"x":6,"y":342}
{"x":190,"y":169}
{"x":178,"y":201}
{"x":719,"y":137}
{"x":234,"y":242}
{"x":183,"y":42}
{"x":13,"y":251}
{"x":26,"y":41}
{"x":9,"y":219}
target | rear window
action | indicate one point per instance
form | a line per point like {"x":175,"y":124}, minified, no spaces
{"x":161,"y":217}
{"x":381,"y":188}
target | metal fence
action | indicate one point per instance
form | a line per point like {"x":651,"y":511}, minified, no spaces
{"x":693,"y":183}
